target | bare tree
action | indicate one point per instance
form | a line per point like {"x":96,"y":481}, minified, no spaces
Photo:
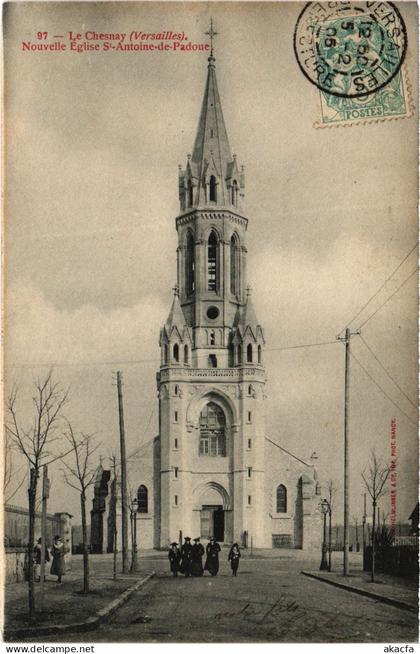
{"x":80,"y":475}
{"x":34,"y":441}
{"x":375,"y":478}
{"x":13,"y":479}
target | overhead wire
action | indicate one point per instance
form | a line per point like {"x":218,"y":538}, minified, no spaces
{"x":388,"y":299}
{"x":154,"y":360}
{"x":388,"y":373}
{"x":380,"y":288}
{"x":135,"y":452}
{"x":381,"y":389}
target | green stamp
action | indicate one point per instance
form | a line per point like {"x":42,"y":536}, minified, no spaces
{"x":389,"y":102}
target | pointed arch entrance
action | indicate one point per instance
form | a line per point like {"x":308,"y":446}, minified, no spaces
{"x":213,"y":503}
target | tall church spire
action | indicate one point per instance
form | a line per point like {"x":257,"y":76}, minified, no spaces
{"x":212,"y":176}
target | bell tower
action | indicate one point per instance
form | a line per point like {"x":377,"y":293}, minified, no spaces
{"x":211,"y":379}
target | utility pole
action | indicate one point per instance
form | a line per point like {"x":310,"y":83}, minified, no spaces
{"x":357,"y":535}
{"x":114,"y":521}
{"x":124,"y":525}
{"x":364,"y":523}
{"x":346,"y":341}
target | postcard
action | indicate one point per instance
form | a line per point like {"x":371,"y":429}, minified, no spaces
{"x":210,"y":322}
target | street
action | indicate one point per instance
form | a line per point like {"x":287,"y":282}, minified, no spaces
{"x":269,"y":601}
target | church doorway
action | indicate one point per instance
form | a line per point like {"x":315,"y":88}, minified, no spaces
{"x":212,"y":522}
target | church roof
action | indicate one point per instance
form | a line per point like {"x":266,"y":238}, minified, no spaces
{"x":211,"y":145}
{"x":246,"y":318}
{"x":309,"y":465}
{"x":176,"y":317}
{"x":249,"y":317}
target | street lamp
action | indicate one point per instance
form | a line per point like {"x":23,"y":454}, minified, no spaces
{"x":325,"y":509}
{"x":133,"y":517}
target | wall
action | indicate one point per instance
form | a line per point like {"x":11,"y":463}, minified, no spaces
{"x":15,"y":561}
{"x":16,"y":533}
{"x":16,"y":526}
{"x":140,"y":471}
{"x":300,"y":526}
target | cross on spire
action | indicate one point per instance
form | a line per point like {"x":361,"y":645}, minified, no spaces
{"x":211,"y":33}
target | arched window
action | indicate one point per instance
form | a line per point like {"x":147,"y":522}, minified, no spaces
{"x":212,"y":338}
{"x":281,"y":499}
{"x":165,"y":354}
{"x":190,"y":193}
{"x":212,"y":262}
{"x":249,"y":353}
{"x":250,"y":389}
{"x":234,"y":264}
{"x":212,"y":361}
{"x":142,"y":499}
{"x":231,"y":355}
{"x":176,"y":352}
{"x":235,"y":191}
{"x":239,"y":354}
{"x":259,"y":354}
{"x":186,"y":355}
{"x":212,"y":431}
{"x":189,"y":264}
{"x":176,"y":389}
{"x":213,"y":189}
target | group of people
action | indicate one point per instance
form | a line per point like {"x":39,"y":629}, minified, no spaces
{"x":58,"y":567}
{"x":189,"y":560}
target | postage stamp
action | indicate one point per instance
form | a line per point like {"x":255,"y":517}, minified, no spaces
{"x":350,"y":49}
{"x":391,"y":102}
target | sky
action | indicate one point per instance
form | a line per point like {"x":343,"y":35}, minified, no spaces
{"x":92,"y":147}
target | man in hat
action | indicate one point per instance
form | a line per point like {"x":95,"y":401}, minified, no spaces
{"x":37,"y":558}
{"x":174,"y":556}
{"x":212,"y":560}
{"x":197,"y":558}
{"x":186,"y":553}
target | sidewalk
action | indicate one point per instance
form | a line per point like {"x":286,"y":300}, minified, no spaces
{"x":64,"y":603}
{"x":397,"y":591}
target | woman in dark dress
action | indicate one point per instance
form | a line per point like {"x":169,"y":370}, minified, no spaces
{"x":212,"y":560}
{"x":58,"y":566}
{"x":197,"y":553}
{"x":174,"y":556}
{"x":234,"y":556}
{"x":186,"y":551}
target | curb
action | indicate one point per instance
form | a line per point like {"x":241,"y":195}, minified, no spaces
{"x":367,"y":593}
{"x":87,"y":625}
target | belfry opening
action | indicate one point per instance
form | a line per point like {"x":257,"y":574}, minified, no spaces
{"x":213,"y":471}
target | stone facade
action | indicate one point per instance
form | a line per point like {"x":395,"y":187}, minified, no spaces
{"x":219,"y":473}
{"x":212,"y":470}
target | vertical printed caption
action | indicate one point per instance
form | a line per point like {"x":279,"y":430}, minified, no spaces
{"x":393,"y":477}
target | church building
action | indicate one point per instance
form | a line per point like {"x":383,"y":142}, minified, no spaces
{"x":213,"y":470}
